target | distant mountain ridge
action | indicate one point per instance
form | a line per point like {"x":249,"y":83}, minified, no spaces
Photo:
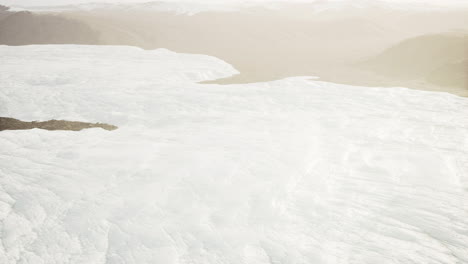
{"x":270,"y":44}
{"x":25,"y":28}
{"x":192,"y":7}
{"x":441,"y":59}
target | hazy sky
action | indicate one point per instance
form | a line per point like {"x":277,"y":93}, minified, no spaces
{"x":67,"y":2}
{"x":30,"y":3}
{"x":61,"y":2}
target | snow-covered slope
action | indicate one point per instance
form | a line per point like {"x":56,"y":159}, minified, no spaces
{"x":291,"y":171}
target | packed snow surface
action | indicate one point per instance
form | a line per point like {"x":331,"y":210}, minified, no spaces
{"x":289,"y":171}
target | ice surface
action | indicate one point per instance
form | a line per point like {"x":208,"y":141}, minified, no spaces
{"x":290,"y":171}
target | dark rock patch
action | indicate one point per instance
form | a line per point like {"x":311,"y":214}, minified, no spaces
{"x":7,"y":123}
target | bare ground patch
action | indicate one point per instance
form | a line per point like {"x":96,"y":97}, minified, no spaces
{"x":7,"y":123}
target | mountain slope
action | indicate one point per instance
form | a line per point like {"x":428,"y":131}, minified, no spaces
{"x":268,"y":44}
{"x":451,"y":74}
{"x":25,"y":28}
{"x":439,"y":59}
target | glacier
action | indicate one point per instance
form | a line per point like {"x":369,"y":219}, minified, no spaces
{"x":288,"y":171}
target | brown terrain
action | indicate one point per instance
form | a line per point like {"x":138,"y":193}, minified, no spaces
{"x":266,"y":45}
{"x":25,"y":28}
{"x":15,"y":124}
{"x":369,"y":47}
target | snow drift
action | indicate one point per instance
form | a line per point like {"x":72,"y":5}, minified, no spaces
{"x":290,"y":171}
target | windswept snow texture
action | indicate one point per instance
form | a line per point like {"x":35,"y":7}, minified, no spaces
{"x":290,"y":171}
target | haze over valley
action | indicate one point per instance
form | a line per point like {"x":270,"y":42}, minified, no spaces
{"x":273,"y":43}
